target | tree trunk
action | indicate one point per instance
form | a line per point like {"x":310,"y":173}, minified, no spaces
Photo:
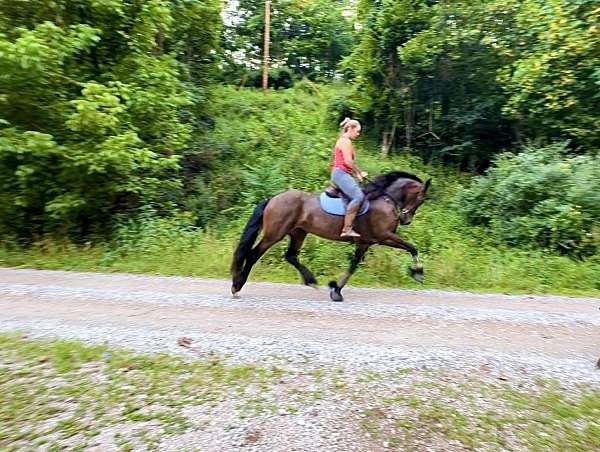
{"x":265,"y":75}
{"x":243,"y":80}
{"x":430,"y":118}
{"x":408,"y":118}
{"x":387,"y":141}
{"x":517,"y":132}
{"x":160,"y":43}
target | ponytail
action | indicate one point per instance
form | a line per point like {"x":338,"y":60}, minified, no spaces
{"x":348,"y":123}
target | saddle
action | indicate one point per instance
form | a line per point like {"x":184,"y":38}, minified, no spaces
{"x":335,"y":202}
{"x":334,"y":192}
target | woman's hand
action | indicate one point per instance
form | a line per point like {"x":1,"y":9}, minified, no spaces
{"x":362,"y":175}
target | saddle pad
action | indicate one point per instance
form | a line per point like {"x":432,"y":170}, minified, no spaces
{"x":335,"y":206}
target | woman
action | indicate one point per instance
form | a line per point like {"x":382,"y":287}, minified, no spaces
{"x":343,"y":169}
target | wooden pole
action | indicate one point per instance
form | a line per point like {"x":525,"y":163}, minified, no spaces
{"x":265,"y":75}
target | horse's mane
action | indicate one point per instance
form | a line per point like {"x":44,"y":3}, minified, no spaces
{"x":376,"y":188}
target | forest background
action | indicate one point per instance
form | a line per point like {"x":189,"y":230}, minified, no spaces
{"x":134,"y":137}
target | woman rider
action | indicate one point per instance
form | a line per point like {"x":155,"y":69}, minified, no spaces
{"x":343,"y":168}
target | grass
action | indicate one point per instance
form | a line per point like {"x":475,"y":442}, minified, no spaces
{"x":469,"y":264}
{"x":64,"y":395}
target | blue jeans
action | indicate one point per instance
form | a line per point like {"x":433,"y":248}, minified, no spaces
{"x":348,"y":185}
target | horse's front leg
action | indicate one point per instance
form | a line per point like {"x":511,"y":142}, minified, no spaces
{"x":335,"y":288}
{"x":297,"y":237}
{"x":394,"y":241}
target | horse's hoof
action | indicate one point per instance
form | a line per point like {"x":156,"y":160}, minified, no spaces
{"x":311,"y":282}
{"x":335,"y":296}
{"x":237,"y":284}
{"x":335,"y":293}
{"x":416,"y":274}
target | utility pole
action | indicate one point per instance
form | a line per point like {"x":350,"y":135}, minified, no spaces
{"x":265,"y":75}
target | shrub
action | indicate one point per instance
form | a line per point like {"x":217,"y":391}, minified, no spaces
{"x":541,"y":197}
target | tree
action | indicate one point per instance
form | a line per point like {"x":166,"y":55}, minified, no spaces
{"x":309,"y":36}
{"x":553,"y":84}
{"x":460,"y":81}
{"x":93,"y":94}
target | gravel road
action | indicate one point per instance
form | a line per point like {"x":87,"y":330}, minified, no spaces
{"x":379,"y":329}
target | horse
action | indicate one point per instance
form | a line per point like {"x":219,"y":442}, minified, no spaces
{"x":394,"y":199}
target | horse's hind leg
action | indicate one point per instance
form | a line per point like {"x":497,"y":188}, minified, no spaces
{"x":279,"y":219}
{"x":297,"y":237}
{"x":268,"y":240}
{"x":335,"y":288}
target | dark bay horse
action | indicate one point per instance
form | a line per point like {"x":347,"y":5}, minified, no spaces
{"x":394,"y":199}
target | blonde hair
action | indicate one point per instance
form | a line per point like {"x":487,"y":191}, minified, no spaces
{"x":348,"y":123}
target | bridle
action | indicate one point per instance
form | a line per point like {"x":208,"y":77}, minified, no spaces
{"x":397,"y":207}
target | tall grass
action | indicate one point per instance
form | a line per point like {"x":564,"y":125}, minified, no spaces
{"x":464,"y":262}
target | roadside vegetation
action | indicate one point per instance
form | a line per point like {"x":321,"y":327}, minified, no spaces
{"x":283,"y":140}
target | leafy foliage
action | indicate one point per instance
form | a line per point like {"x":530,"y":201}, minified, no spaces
{"x":308,"y":36}
{"x":542,"y":197}
{"x":262,"y":144}
{"x":459,"y":81}
{"x":279,"y":141}
{"x":92,"y":95}
{"x":110,"y":121}
{"x":553,"y":84}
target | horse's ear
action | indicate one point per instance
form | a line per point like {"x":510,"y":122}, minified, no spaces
{"x":427,"y":184}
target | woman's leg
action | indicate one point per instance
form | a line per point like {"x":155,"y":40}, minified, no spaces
{"x":350,"y":187}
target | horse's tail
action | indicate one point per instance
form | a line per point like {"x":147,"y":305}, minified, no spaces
{"x":248,"y":238}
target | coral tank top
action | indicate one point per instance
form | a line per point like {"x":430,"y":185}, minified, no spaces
{"x":339,"y":162}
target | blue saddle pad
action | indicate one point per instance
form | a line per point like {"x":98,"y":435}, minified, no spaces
{"x":335,"y":206}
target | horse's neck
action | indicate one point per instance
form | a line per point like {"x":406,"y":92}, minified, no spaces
{"x":397,"y":189}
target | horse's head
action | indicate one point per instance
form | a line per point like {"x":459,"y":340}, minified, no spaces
{"x":405,"y":189}
{"x":411,"y":196}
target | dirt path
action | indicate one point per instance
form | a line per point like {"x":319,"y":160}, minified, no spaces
{"x":374,"y":328}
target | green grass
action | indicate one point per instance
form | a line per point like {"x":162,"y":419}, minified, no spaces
{"x":459,"y":264}
{"x":484,"y":415}
{"x":558,"y":422}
